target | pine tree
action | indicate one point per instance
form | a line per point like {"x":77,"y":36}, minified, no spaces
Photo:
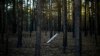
{"x":14,"y":17}
{"x":20,"y":23}
{"x":64,"y":25}
{"x":77,"y":14}
{"x":38,"y":30}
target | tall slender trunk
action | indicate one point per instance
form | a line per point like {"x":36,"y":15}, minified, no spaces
{"x":27,"y":28}
{"x":14,"y":17}
{"x":38,"y":31}
{"x":90,"y":18}
{"x":20,"y":23}
{"x":3,"y":22}
{"x":98,"y":16}
{"x":93,"y":18}
{"x":65,"y":25}
{"x":73,"y":21}
{"x":59,"y":15}
{"x":77,"y":14}
{"x":95,"y":21}
{"x":98,"y":9}
{"x":31,"y":21}
{"x":1,"y":6}
{"x":6,"y":28}
{"x":85,"y":22}
{"x":50,"y":18}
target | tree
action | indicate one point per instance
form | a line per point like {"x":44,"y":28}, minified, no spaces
{"x":14,"y":17}
{"x":77,"y":11}
{"x":59,"y":15}
{"x":64,"y":26}
{"x":95,"y":21}
{"x":85,"y":22}
{"x":98,"y":15}
{"x":38,"y":30}
{"x":20,"y":23}
{"x":2,"y":20}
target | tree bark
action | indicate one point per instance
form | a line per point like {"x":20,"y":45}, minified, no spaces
{"x":38,"y":30}
{"x":14,"y":17}
{"x":85,"y":22}
{"x":59,"y":15}
{"x":3,"y":21}
{"x":20,"y":23}
{"x":77,"y":14}
{"x":95,"y":21}
{"x":64,"y":25}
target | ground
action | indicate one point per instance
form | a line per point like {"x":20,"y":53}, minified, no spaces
{"x":54,"y":48}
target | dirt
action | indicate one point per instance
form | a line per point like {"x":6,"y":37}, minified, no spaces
{"x":54,"y":48}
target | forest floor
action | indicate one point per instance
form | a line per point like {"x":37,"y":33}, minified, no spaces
{"x":54,"y":48}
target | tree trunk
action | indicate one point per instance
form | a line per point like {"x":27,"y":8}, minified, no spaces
{"x":3,"y":21}
{"x":14,"y":17}
{"x":95,"y":21}
{"x":85,"y":22}
{"x":77,"y":14}
{"x":38,"y":31}
{"x":98,"y":15}
{"x":59,"y":15}
{"x":20,"y":23}
{"x":64,"y":25}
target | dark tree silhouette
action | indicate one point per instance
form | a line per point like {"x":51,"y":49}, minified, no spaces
{"x":14,"y":17}
{"x":85,"y":22}
{"x":77,"y":14}
{"x":64,"y":25}
{"x":95,"y":21}
{"x":20,"y":23}
{"x":2,"y":20}
{"x":38,"y":30}
{"x":59,"y":15}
